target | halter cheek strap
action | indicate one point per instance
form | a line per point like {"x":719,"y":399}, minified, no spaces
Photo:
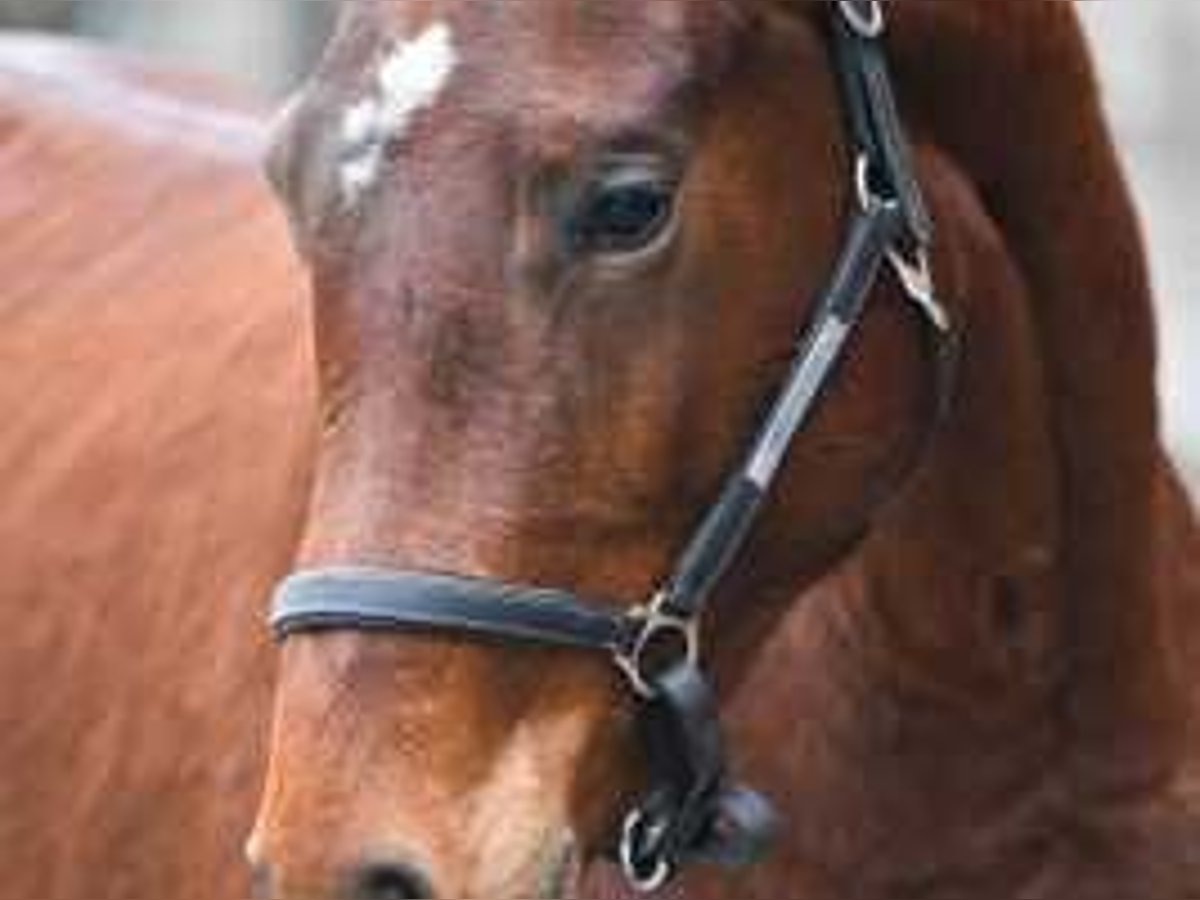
{"x":692,"y":811}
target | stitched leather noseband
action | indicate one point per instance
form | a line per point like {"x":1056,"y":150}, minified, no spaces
{"x":693,"y":810}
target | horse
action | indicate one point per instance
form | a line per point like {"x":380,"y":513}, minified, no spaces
{"x":155,"y":462}
{"x":558,"y":258}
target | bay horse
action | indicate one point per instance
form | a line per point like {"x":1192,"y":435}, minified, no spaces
{"x":559,"y":255}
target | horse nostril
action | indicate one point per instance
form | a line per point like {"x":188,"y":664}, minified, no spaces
{"x":262,"y":884}
{"x":391,"y":881}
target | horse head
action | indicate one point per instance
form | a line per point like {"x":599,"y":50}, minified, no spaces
{"x":561,"y":256}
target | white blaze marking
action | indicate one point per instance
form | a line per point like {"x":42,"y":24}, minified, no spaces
{"x":359,"y":123}
{"x":410,"y":79}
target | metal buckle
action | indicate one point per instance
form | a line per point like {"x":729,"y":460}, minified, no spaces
{"x":634,"y":834}
{"x":916,"y":277}
{"x":865,"y":17}
{"x":916,"y":274}
{"x":655,"y":623}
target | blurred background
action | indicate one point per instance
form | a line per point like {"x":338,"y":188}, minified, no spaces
{"x":1148,"y":53}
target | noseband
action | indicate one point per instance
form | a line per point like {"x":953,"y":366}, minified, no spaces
{"x":693,"y":811}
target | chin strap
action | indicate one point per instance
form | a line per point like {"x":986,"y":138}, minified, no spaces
{"x":693,"y":810}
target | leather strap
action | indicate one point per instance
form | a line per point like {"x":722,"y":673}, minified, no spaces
{"x":873,"y":116}
{"x":693,"y":812}
{"x":725,"y":529}
{"x":386,"y":600}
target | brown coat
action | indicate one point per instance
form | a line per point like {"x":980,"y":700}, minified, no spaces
{"x":154,"y":458}
{"x":993,"y":698}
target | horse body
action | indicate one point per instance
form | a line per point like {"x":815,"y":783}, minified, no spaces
{"x":993,"y":696}
{"x":154,"y":461}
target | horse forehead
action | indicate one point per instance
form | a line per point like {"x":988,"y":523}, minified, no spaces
{"x":403,"y":81}
{"x":590,"y":61}
{"x":548,"y":26}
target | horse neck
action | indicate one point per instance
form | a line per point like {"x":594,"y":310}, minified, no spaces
{"x":1032,"y":542}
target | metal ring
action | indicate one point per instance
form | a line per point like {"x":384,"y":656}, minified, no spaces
{"x":656,"y":623}
{"x":868,"y":198}
{"x":642,"y":881}
{"x":865,"y":17}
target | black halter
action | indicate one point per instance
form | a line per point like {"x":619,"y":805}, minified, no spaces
{"x":693,"y":811}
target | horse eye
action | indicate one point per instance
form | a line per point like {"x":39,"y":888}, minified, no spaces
{"x":623,"y":214}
